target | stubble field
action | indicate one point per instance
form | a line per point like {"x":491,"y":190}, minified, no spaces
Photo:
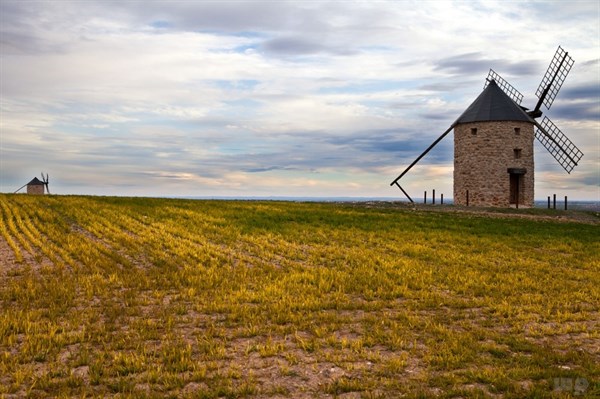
{"x":141,"y":297}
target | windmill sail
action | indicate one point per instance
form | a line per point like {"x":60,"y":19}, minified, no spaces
{"x":46,"y":180}
{"x":506,"y":87}
{"x":562,"y":149}
{"x":553,"y":79}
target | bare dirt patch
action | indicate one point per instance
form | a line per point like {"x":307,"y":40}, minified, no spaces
{"x":10,"y":265}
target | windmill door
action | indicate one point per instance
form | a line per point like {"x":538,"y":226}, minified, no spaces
{"x":514,"y":188}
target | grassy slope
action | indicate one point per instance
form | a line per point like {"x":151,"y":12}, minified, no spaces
{"x":155,"y":297}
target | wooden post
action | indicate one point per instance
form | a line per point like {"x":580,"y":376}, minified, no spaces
{"x":517,"y":199}
{"x":433,"y":197}
{"x":441,"y":199}
{"x":554,"y":202}
{"x":565,"y":202}
{"x":425,"y":197}
{"x":548,"y":202}
{"x":467,"y":197}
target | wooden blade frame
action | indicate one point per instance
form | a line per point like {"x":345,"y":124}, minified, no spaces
{"x":506,"y":87}
{"x":553,"y":79}
{"x":558,"y":145}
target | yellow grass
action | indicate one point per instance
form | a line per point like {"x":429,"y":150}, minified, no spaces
{"x":137,"y":297}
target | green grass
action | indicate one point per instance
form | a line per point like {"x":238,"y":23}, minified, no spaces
{"x":140,"y":297}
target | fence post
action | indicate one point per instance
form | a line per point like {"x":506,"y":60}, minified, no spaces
{"x":565,"y":202}
{"x":441,"y":199}
{"x":467,"y":197}
{"x":554,"y":202}
{"x":433,"y":197}
{"x":548,"y":202}
{"x":425,"y":197}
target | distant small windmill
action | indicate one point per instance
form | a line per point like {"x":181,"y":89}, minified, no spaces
{"x":493,"y":141}
{"x":36,"y":186}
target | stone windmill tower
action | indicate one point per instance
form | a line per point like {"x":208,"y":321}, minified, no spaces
{"x":493,"y":141}
{"x":493,"y":152}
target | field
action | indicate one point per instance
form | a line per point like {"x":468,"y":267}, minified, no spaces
{"x":140,"y":297}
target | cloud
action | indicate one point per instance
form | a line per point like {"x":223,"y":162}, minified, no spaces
{"x":577,"y":103}
{"x":246,"y":96}
{"x":576,"y":110}
{"x":297,"y":46}
{"x":587,"y":92}
{"x":476,"y":63}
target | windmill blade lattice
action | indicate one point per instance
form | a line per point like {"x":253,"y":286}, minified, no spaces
{"x":555,"y":76}
{"x":562,"y":149}
{"x":506,"y":87}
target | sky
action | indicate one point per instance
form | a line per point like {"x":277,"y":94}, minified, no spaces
{"x":278,"y":98}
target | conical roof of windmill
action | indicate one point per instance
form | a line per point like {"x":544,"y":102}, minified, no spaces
{"x":493,"y":105}
{"x":35,"y":182}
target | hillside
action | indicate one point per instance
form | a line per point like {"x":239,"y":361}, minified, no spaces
{"x":140,"y":297}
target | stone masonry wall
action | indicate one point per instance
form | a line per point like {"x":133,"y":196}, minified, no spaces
{"x":481,"y":161}
{"x":35,"y":189}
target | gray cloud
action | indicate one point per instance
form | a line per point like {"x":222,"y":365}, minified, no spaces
{"x":587,"y":92}
{"x":223,"y":16}
{"x":476,"y":63}
{"x":147,"y":93}
{"x":579,"y":103}
{"x":589,"y":179}
{"x":591,"y":62}
{"x":290,"y":46}
{"x":394,"y":145}
{"x":452,"y":85}
{"x":581,"y":111}
{"x":284,"y":28}
{"x":440,"y":116}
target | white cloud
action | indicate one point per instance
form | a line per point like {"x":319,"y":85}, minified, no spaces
{"x":326,"y":98}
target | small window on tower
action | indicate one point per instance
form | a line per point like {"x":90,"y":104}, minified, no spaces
{"x":517,"y":131}
{"x":517,"y":152}
{"x":474,"y":131}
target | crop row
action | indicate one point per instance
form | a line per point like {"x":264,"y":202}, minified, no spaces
{"x":148,"y":297}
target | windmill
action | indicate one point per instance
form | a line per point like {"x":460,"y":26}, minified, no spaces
{"x":36,"y":186}
{"x":493,"y":141}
